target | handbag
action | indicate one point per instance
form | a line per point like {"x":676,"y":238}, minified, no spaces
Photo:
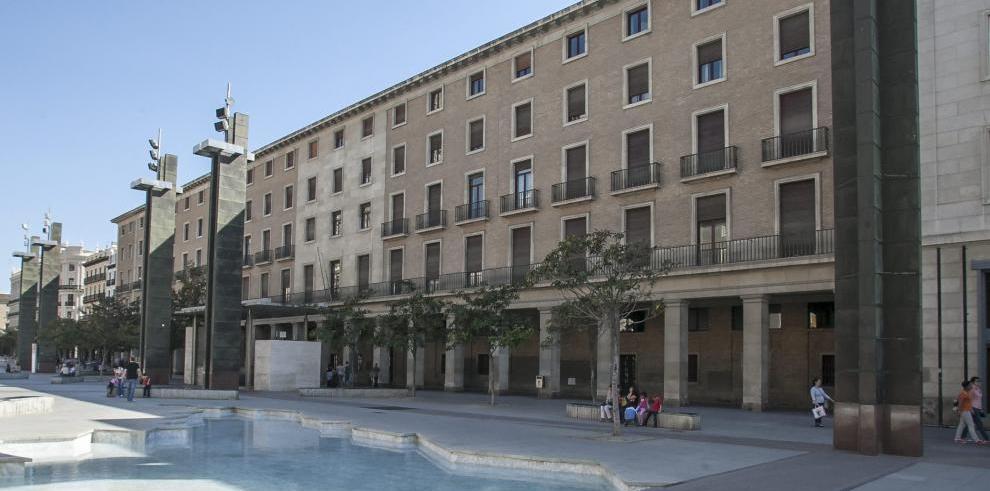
{"x":818,"y":412}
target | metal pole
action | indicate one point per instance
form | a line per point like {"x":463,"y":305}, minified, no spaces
{"x":965,"y":313}
{"x":938,"y":296}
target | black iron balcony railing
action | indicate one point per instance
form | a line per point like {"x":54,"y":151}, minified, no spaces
{"x":635,"y":177}
{"x":708,"y":162}
{"x":93,"y":278}
{"x":285,"y":252}
{"x":184,"y":273}
{"x":94,"y":298}
{"x":471,"y":211}
{"x":399,"y":226}
{"x":70,"y":287}
{"x":810,"y":142}
{"x":522,"y":200}
{"x":431,"y":219}
{"x":248,"y":259}
{"x":677,"y":258}
{"x":573,"y":189}
{"x":263,"y":256}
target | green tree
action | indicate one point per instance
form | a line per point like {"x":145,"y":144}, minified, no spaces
{"x":603,"y":278}
{"x":66,"y":335}
{"x":8,"y":342}
{"x":345,"y":326}
{"x":190,"y":292}
{"x":484,"y":314}
{"x":410,"y":323}
{"x":113,"y":326}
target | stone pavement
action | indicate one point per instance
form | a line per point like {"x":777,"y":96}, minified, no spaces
{"x":734,"y":450}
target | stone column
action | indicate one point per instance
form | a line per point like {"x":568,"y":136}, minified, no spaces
{"x":380,"y":355}
{"x":189,"y":369}
{"x":200,"y":331}
{"x":453,"y":374}
{"x":604,"y":360}
{"x":549,"y":357}
{"x":415,"y":368}
{"x":502,"y":367}
{"x":756,"y":352}
{"x":249,"y":349}
{"x":27,"y":327}
{"x":675,"y":352}
{"x":51,"y":267}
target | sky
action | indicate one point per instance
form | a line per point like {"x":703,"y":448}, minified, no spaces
{"x":85,"y":83}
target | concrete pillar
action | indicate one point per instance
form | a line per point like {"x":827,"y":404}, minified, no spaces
{"x":189,"y":367}
{"x":51,"y":267}
{"x":249,"y":349}
{"x":604,"y":360}
{"x":502,"y":356}
{"x":453,"y":373}
{"x":27,"y":327}
{"x":200,"y":330}
{"x":549,"y":357}
{"x":675,"y":352}
{"x":415,"y":368}
{"x":380,"y":355}
{"x":756,"y":352}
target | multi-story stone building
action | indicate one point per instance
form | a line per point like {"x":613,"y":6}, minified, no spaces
{"x":192,"y":215}
{"x":130,"y":244}
{"x":13,"y":301}
{"x":954,"y":86}
{"x":100,"y":274}
{"x":71,"y":287}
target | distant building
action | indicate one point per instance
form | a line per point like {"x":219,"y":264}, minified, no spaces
{"x":4,"y":298}
{"x":70,"y":289}
{"x":100,"y":273}
{"x":13,"y":301}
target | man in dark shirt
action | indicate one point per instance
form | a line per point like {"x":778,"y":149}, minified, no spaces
{"x":131,"y":376}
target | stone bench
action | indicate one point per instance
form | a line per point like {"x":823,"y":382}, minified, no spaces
{"x":21,"y":405}
{"x":669,"y":420}
{"x":353,"y":393}
{"x":58,"y":379}
{"x":190,"y":393}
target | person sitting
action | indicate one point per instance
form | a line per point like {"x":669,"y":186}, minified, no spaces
{"x":64,"y":372}
{"x":146,"y":386}
{"x":629,"y":415}
{"x":605,"y":411}
{"x":110,"y":385}
{"x":653,"y":411}
{"x":641,"y":409}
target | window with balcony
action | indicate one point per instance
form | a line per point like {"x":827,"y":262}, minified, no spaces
{"x":522,"y":65}
{"x":434,"y":101}
{"x":309,"y":280}
{"x":711,"y":229}
{"x":473,"y":262}
{"x":639,"y":168}
{"x":338,"y":138}
{"x":266,"y":205}
{"x":336,"y":223}
{"x":638,"y":84}
{"x":797,"y":135}
{"x":289,"y":194}
{"x":311,"y":189}
{"x":476,"y":84}
{"x":433,"y":215}
{"x":576,"y":182}
{"x":576,"y":227}
{"x":638,"y":21}
{"x":711,"y":67}
{"x":475,"y":193}
{"x":287,"y":234}
{"x":639,"y":226}
{"x":794,"y":35}
{"x":435,"y":148}
{"x":399,"y":160}
{"x":338,"y":180}
{"x":335,"y":273}
{"x":522,"y":120}
{"x":290,"y":160}
{"x":523,"y":194}
{"x":576,"y":105}
{"x":314,"y":149}
{"x":521,"y":245}
{"x":366,"y":171}
{"x":266,"y":243}
{"x":364,"y":216}
{"x":476,"y":135}
{"x":399,"y":115}
{"x":432,"y":265}
{"x":395,"y":257}
{"x":285,"y":283}
{"x":363,"y":271}
{"x":712,"y":152}
{"x":575,"y":45}
{"x":310,"y":229}
{"x":797,"y":217}
{"x":264,"y":285}
{"x":245,"y":287}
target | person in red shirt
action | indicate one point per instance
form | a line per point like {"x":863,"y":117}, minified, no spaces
{"x":653,"y":410}
{"x":965,"y":407}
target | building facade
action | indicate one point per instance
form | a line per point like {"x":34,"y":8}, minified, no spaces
{"x":130,"y":245}
{"x":71,"y":292}
{"x":4,"y":309}
{"x":954,"y":72}
{"x":100,"y":275}
{"x":13,"y":301}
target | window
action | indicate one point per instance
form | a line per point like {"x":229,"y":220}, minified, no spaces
{"x":140,"y":223}
{"x":639,"y":226}
{"x":364,"y":216}
{"x":335,"y":271}
{"x":336,"y":223}
{"x":308,"y":281}
{"x":698,"y":319}
{"x":310,"y":229}
{"x":435,"y":148}
{"x":199,"y":257}
{"x":140,"y":249}
{"x":287,"y":234}
{"x":245,"y":287}
{"x":432,"y":266}
{"x":199,"y":227}
{"x":704,"y":5}
{"x":266,"y":205}
{"x":264,"y":285}
{"x":185,"y":260}
{"x":249,"y":179}
{"x":186,"y":203}
{"x":338,"y":138}
{"x":692,"y":368}
{"x":366,"y":171}
{"x":476,"y":84}
{"x":576,"y":45}
{"x":363,"y":271}
{"x":710,"y":141}
{"x":828,"y":370}
{"x":710,"y":64}
{"x":821,"y":315}
{"x":737,"y":318}
{"x":311,"y":189}
{"x":399,"y":115}
{"x":367,"y":126}
{"x":247,"y":244}
{"x":775,"y":316}
{"x":483,"y":364}
{"x":797,"y":217}
{"x":522,"y":65}
{"x":476,"y":196}
{"x":285,"y":284}
{"x":711,"y":228}
{"x":269,"y":168}
{"x":247,"y":210}
{"x":200,"y":197}
{"x":476,"y":135}
{"x":314,"y":148}
{"x":795,"y":121}
{"x":395,"y":266}
{"x":287,"y":200}
{"x":266,"y":241}
{"x":794,"y":35}
{"x":434,"y":101}
{"x":638,"y":84}
{"x":576,"y":227}
{"x":522,"y":120}
{"x":522,"y":185}
{"x":185,"y":231}
{"x":576,"y":103}
{"x":338,"y":180}
{"x":634,"y":322}
{"x":399,"y":160}
{"x":473,"y":262}
{"x":638,"y":21}
{"x":639,"y":155}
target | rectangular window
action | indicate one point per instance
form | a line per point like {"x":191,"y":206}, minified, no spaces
{"x":435,"y":100}
{"x":712,"y":232}
{"x":638,"y":226}
{"x":398,"y":160}
{"x":287,"y":200}
{"x":267,"y":204}
{"x":483,"y":364}
{"x":794,"y":35}
{"x":399,"y":115}
{"x":710,"y":65}
{"x":637,"y":21}
{"x":335,"y":272}
{"x":314,"y":149}
{"x":522,"y":65}
{"x":473,"y":248}
{"x":311,"y":189}
{"x":737,"y":318}
{"x":249,"y":179}
{"x":338,"y":180}
{"x":821,"y":315}
{"x":290,"y":160}
{"x":266,"y":240}
{"x":310,"y":229}
{"x":692,"y":368}
{"x":797,"y":218}
{"x":287,"y":234}
{"x":367,"y":127}
{"x":795,"y":120}
{"x":285,"y":284}
{"x":364,"y":216}
{"x":363,"y":271}
{"x":336,"y":223}
{"x":775,"y":316}
{"x":308,"y":281}
{"x":575,"y":169}
{"x":395,"y":265}
{"x":185,"y":231}
{"x":576,"y":45}
{"x":245,"y":288}
{"x":432,"y":265}
{"x":199,"y":257}
{"x":711,"y":133}
{"x":634,"y":322}
{"x":186,"y":205}
{"x":435,"y":145}
{"x":398,"y":206}
{"x":476,"y":135}
{"x":522,"y":120}
{"x":638,"y":84}
{"x":199,"y":227}
{"x":269,"y":168}
{"x":476,"y":84}
{"x":264,"y":285}
{"x":698,"y":319}
{"x":576,"y":227}
{"x":521,"y":246}
{"x":248,"y":205}
{"x":201,"y":197}
{"x":704,"y":4}
{"x":577,"y":103}
{"x":828,"y":370}
{"x":338,"y":138}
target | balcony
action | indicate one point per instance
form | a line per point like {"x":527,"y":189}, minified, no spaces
{"x":636,"y":179}
{"x":470,"y":212}
{"x":520,"y":202}
{"x":263,"y":256}
{"x":93,"y":278}
{"x":285,"y":252}
{"x":573,"y":191}
{"x":795,"y":146}
{"x":709,"y":164}
{"x":248,"y":259}
{"x":395,"y":228}
{"x":70,"y":287}
{"x":431,"y":220}
{"x":185,"y":273}
{"x":94,"y":298}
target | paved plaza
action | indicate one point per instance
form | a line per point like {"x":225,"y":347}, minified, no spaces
{"x":734,"y":450}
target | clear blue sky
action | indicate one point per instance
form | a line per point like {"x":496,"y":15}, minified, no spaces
{"x":84,"y":83}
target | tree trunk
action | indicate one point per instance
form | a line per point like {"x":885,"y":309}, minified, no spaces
{"x":414,"y":364}
{"x":593,"y":349}
{"x":492,"y":375}
{"x":613,"y":330}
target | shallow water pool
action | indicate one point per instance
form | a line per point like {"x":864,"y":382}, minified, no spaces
{"x":238,"y":454}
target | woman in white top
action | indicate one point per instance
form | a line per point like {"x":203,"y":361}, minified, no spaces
{"x":818,"y":398}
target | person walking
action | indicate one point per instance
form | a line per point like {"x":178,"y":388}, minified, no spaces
{"x":818,"y":398}
{"x":964,"y":405}
{"x":131,"y":375}
{"x":976,"y":396}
